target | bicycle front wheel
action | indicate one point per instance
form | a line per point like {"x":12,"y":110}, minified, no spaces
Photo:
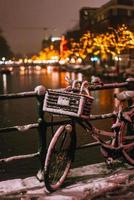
{"x":59,"y":157}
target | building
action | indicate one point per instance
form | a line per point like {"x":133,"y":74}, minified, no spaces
{"x":87,"y":18}
{"x":113,"y":13}
{"x":55,"y":41}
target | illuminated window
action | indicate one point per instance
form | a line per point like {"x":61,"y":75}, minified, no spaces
{"x":129,"y":13}
{"x":85,"y":12}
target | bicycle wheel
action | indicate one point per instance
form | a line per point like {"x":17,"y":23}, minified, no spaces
{"x":128,"y":144}
{"x":128,"y":153}
{"x":59,"y":157}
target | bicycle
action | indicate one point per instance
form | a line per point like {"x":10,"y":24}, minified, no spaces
{"x":75,"y":101}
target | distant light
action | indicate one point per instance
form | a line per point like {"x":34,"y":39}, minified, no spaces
{"x":10,"y":69}
{"x":61,"y":62}
{"x":49,"y":69}
{"x":67,"y":59}
{"x":79,"y":60}
{"x":25,"y":60}
{"x":72,"y":60}
{"x":8,"y":62}
{"x":22,"y":68}
{"x":29,"y":61}
{"x":117,"y":58}
{"x":55,"y":39}
{"x":56,"y":58}
{"x":3,"y":58}
{"x":37,"y":67}
{"x":94,"y":58}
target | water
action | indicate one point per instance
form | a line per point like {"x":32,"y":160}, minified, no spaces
{"x":24,"y":111}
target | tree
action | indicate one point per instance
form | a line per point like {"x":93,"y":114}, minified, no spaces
{"x":86,"y":42}
{"x":119,"y":40}
{"x":5,"y":50}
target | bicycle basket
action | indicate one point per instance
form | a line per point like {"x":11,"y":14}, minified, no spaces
{"x":67,"y":103}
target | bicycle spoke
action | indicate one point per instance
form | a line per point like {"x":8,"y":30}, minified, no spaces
{"x":60,"y":166}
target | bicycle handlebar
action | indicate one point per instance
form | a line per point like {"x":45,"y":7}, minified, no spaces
{"x":129,"y":84}
{"x":107,"y":86}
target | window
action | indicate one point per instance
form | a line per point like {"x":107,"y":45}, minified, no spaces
{"x":98,"y":18}
{"x":125,"y":2}
{"x":114,"y":12}
{"x":92,"y":22}
{"x":102,"y":17}
{"x":122,"y":12}
{"x":85,"y":12}
{"x":129,"y":13}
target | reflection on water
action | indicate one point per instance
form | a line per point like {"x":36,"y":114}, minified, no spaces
{"x":23,"y":111}
{"x":4,"y":79}
{"x":50,"y":77}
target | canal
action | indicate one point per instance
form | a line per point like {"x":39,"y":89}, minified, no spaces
{"x":24,"y":111}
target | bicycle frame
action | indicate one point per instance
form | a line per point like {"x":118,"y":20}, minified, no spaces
{"x":113,"y":148}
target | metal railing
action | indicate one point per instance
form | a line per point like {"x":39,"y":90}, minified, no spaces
{"x":42,"y":124}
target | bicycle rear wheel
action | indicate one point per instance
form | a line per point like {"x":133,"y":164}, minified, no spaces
{"x":128,"y":145}
{"x":59,"y":157}
{"x":128,"y":153}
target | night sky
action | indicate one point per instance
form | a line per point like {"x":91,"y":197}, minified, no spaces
{"x":26,"y":22}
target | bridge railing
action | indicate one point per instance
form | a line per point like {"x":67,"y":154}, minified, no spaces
{"x":41,"y":125}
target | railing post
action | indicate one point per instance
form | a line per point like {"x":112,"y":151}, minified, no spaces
{"x":42,"y":129}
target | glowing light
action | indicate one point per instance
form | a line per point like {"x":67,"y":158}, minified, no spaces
{"x":38,"y":67}
{"x":55,"y":39}
{"x":22,"y":68}
{"x":72,"y":61}
{"x":94,"y":59}
{"x":79,"y":61}
{"x":117,"y":58}
{"x":3,"y":58}
{"x":25,"y":60}
{"x":62,"y":62}
{"x":29,"y":60}
{"x":10,"y":69}
{"x":73,"y":76}
{"x":80,"y":76}
{"x":49,"y":69}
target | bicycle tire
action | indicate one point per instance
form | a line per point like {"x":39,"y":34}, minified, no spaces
{"x":128,"y":154}
{"x":128,"y":146}
{"x":55,"y":170}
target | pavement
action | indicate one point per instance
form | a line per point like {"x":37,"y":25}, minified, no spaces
{"x":89,"y":182}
